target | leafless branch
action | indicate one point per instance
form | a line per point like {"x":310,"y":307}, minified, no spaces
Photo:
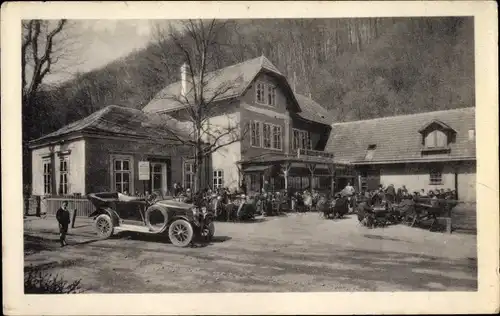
{"x":33,"y":41}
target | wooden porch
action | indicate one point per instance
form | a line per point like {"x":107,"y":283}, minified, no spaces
{"x":306,"y":170}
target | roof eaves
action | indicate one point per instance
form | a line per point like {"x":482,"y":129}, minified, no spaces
{"x":232,"y":96}
{"x":37,"y":143}
{"x":78,"y":129}
{"x":413,"y":160}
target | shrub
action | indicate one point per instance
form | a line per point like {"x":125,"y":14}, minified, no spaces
{"x":37,"y":281}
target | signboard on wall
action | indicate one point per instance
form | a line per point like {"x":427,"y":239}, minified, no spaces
{"x":143,"y":170}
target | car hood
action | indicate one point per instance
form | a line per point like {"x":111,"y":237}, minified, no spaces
{"x":174,"y":204}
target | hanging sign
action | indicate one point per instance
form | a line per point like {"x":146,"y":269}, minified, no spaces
{"x":143,"y":170}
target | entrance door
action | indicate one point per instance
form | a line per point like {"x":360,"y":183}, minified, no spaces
{"x":159,"y":177}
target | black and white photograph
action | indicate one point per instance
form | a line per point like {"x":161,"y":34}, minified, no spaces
{"x":219,"y":155}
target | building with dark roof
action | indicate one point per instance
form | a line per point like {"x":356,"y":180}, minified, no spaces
{"x":285,"y":138}
{"x":276,"y":124}
{"x":102,"y":151}
{"x":432,"y":150}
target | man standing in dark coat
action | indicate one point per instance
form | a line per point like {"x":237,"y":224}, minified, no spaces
{"x":63,"y":218}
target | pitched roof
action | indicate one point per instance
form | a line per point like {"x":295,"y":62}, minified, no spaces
{"x":221,"y":84}
{"x":312,"y":111}
{"x":122,"y":121}
{"x":230,"y":82}
{"x":434,"y":122}
{"x":397,"y":138}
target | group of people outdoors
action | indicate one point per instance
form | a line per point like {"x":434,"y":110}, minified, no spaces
{"x":396,"y":196}
{"x":304,"y":199}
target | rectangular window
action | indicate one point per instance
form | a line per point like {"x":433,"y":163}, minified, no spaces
{"x":430,"y":140}
{"x":266,"y":132}
{"x":296,"y":139}
{"x":276,"y":137}
{"x":436,"y":139}
{"x":441,"y":139}
{"x":272,"y":136}
{"x":63,"y":176}
{"x":122,"y":175}
{"x":218,"y":179}
{"x":188,"y":175}
{"x":47,"y":176}
{"x":255,"y":134}
{"x":271,"y":95}
{"x":260,"y":91}
{"x":265,"y":94}
{"x":301,"y":139}
{"x":254,"y":182}
{"x":363,"y":183}
{"x":435,"y":176}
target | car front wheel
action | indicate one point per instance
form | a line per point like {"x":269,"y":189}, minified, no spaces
{"x":104,"y":226}
{"x":180,"y":233}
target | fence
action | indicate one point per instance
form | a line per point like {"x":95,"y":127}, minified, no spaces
{"x":50,"y":205}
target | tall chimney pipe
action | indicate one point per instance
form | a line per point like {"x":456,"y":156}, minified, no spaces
{"x":184,"y":70}
{"x":294,"y":82}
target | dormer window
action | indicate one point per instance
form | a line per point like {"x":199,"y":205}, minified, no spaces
{"x":436,"y":139}
{"x":370,"y":151}
{"x":436,"y":136}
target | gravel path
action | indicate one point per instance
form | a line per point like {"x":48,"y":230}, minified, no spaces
{"x":299,"y":252}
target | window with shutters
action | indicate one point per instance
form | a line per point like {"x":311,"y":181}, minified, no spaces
{"x":255,"y":137}
{"x":63,"y":175}
{"x":436,"y":139}
{"x":47,"y":176}
{"x":266,"y":133}
{"x":188,"y":175}
{"x":276,"y":137}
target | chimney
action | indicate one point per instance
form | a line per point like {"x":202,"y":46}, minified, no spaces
{"x":294,"y":82}
{"x":184,"y":70}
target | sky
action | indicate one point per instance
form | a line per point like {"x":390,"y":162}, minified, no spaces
{"x":98,"y":42}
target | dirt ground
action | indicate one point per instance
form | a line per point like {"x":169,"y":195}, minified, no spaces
{"x":298,"y":252}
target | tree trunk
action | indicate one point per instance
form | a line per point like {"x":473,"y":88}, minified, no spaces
{"x":198,"y":164}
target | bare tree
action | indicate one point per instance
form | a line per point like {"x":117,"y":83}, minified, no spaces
{"x":203,"y":91}
{"x":45,"y":44}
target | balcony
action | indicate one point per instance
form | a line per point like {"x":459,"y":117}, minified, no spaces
{"x":304,"y":153}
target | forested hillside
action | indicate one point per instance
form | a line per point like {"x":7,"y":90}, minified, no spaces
{"x":357,"y":68}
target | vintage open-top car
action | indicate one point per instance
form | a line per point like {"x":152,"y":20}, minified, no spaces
{"x":181,"y":222}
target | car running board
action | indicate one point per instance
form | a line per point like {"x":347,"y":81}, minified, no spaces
{"x":133,"y":228}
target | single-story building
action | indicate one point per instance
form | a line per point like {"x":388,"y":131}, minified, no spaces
{"x":105,"y":152}
{"x":421,"y":151}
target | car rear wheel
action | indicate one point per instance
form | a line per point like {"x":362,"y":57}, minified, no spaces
{"x":104,"y":226}
{"x":180,"y":233}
